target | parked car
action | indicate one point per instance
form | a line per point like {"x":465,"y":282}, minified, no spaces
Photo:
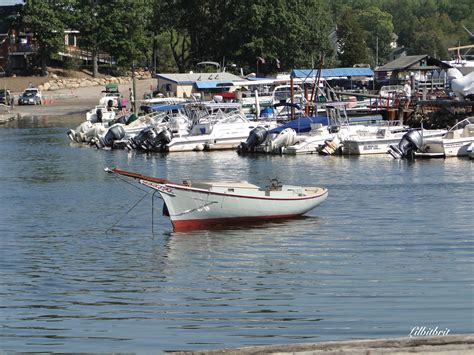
{"x":5,"y":97}
{"x":30,"y":96}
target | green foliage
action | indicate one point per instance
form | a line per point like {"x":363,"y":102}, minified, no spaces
{"x":43,"y":20}
{"x":177,"y":34}
{"x":351,"y":40}
{"x":379,"y":29}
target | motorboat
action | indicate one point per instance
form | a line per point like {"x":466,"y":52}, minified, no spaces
{"x":100,"y":113}
{"x":204,"y":204}
{"x":224,"y":131}
{"x":377,"y":139}
{"x":454,"y":143}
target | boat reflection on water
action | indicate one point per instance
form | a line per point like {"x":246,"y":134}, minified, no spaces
{"x":287,"y":226}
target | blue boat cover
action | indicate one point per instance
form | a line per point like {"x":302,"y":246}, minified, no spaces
{"x":302,"y":124}
{"x":164,"y":107}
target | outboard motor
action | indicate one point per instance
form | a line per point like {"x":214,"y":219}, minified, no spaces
{"x":114,"y":133}
{"x":98,"y":114}
{"x":139,"y":141}
{"x":410,"y":142}
{"x":256,"y":137}
{"x":150,"y":140}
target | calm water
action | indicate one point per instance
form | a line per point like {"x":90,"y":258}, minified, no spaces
{"x":391,"y":248}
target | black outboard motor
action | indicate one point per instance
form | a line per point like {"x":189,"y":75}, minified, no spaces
{"x":98,"y":114}
{"x":256,"y":137}
{"x":139,"y":142}
{"x":114,"y":133}
{"x":410,"y":142}
{"x":150,"y":140}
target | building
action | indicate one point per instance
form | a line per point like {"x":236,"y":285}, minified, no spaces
{"x":186,"y":84}
{"x":419,"y":68}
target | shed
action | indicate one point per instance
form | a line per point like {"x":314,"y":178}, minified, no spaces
{"x":185,"y":84}
{"x":402,"y":68}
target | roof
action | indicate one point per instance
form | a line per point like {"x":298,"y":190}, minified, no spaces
{"x":333,"y":72}
{"x":191,"y":78}
{"x":414,"y":62}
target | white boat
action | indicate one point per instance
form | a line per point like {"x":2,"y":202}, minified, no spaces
{"x":454,"y":143}
{"x":223,"y":131}
{"x":377,"y":139}
{"x":199,"y":204}
{"x":100,"y":113}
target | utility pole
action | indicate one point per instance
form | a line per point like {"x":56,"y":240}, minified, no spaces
{"x":134,"y":89}
{"x":377,"y":51}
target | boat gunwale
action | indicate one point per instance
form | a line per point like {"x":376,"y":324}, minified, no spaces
{"x":204,"y":191}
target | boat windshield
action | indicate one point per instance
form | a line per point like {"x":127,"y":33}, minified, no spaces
{"x":463,"y":123}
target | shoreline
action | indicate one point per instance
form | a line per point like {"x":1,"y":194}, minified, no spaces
{"x":462,"y":344}
{"x":69,"y":101}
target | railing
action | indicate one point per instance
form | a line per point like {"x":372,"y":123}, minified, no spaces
{"x":23,"y":48}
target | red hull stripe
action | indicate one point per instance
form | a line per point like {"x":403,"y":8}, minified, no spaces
{"x":190,"y":224}
{"x":207,"y":192}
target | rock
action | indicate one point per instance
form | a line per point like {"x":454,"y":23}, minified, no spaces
{"x":46,"y":86}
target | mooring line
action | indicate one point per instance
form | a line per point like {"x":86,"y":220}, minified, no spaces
{"x":129,"y":183}
{"x":128,"y":211}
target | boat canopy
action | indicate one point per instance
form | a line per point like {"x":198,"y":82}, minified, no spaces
{"x":164,"y":107}
{"x":302,"y":124}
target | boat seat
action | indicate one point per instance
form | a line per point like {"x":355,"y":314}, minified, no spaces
{"x":468,"y":131}
{"x":453,"y":134}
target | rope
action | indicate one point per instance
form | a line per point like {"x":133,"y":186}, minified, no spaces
{"x":127,"y":212}
{"x":129,"y":183}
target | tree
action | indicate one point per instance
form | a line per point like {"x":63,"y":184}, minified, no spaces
{"x":128,"y":23}
{"x":90,"y":19}
{"x":42,"y":19}
{"x":351,"y":40}
{"x":379,"y":29}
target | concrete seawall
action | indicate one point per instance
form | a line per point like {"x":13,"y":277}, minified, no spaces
{"x":450,"y":344}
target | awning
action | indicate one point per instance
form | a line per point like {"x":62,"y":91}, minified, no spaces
{"x":333,"y":72}
{"x":208,"y":84}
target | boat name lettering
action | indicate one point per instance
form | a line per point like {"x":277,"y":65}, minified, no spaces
{"x":159,"y":187}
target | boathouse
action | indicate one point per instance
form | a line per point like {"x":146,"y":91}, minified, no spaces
{"x":423,"y":69}
{"x":186,"y":84}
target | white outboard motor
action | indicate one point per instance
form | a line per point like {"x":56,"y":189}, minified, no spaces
{"x":256,"y":137}
{"x":285,"y":138}
{"x":410,"y":142}
{"x":115,"y":133}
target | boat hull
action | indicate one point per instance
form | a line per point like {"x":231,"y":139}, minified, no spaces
{"x":192,"y":208}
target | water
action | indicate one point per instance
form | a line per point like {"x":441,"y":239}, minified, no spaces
{"x":390,"y":249}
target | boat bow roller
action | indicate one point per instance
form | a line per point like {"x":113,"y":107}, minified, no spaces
{"x":201,"y":204}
